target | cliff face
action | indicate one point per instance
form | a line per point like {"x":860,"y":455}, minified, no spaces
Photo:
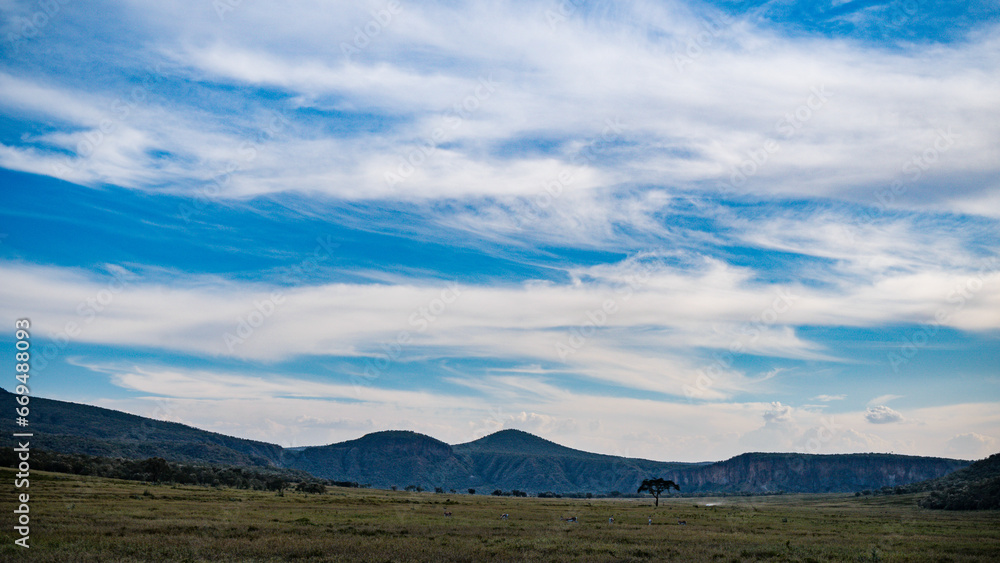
{"x":757,"y":472}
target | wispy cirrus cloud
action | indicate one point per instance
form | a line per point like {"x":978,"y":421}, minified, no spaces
{"x":828,"y":398}
{"x":632,"y":335}
{"x":684,"y":126}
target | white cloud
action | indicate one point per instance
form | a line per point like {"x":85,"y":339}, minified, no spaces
{"x":682,"y":126}
{"x":383,"y":86}
{"x":778,"y":413}
{"x":882,"y":414}
{"x":828,"y":398}
{"x":972,"y":445}
{"x":23,"y":95}
{"x":637,"y":336}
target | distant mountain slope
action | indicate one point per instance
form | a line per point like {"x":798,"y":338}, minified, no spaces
{"x":383,"y":459}
{"x":506,"y":460}
{"x":519,"y":441}
{"x":513,"y":459}
{"x":65,"y":427}
{"x":976,"y":487}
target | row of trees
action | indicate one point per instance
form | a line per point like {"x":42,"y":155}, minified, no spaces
{"x":440,"y":490}
{"x":513,"y":493}
{"x":655,"y":487}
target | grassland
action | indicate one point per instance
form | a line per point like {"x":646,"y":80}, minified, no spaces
{"x":75,"y":518}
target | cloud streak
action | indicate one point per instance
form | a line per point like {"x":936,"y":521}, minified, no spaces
{"x":637,"y":336}
{"x":684,"y":129}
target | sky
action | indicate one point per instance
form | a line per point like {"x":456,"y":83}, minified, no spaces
{"x":674,"y":230}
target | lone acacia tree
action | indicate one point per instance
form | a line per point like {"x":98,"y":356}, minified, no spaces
{"x":657,"y":486}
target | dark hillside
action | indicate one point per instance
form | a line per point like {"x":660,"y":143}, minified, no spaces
{"x":384,"y":459}
{"x":976,"y":487}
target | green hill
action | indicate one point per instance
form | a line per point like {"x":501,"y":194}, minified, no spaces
{"x":976,"y":487}
{"x":514,"y":459}
{"x":383,"y":459}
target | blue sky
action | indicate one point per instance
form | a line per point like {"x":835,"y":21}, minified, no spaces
{"x":671,"y":230}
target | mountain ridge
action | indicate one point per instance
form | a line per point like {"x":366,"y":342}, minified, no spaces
{"x":507,"y":459}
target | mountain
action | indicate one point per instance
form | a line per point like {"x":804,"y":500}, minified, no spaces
{"x":383,"y":459}
{"x":506,"y":460}
{"x":513,"y":459}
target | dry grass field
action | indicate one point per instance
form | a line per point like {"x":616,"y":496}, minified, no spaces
{"x":84,"y":519}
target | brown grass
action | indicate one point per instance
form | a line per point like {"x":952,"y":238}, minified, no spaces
{"x":83,"y":519}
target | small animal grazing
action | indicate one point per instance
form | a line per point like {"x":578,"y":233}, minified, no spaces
{"x":447,"y":513}
{"x":682,"y":522}
{"x":504,"y":516}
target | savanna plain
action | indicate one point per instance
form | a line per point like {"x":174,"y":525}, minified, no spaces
{"x":84,"y":519}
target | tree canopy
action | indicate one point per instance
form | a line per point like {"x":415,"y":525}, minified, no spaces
{"x":657,"y":486}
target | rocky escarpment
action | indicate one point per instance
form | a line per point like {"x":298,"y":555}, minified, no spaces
{"x":766,"y":472}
